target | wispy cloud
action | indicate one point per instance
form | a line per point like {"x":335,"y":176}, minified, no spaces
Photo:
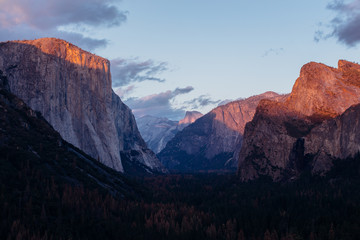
{"x":122,"y":92}
{"x":345,"y":26}
{"x":201,"y":101}
{"x":125,"y":71}
{"x":158,"y":104}
{"x":273,"y":51}
{"x":20,"y":19}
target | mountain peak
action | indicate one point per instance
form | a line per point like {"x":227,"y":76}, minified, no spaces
{"x":325,"y":91}
{"x":212,"y":141}
{"x":190,"y":117}
{"x":311,"y":69}
{"x":282,"y":133}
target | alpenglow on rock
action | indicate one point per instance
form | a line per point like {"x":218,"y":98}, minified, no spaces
{"x":212,"y":140}
{"x":190,"y":117}
{"x":72,"y":90}
{"x":157,"y":132}
{"x":305,"y":131}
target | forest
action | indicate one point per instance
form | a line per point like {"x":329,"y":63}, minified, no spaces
{"x":35,"y":205}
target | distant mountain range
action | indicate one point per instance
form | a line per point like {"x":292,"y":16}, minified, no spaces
{"x":209,"y":144}
{"x":271,"y":135}
{"x":157,"y":132}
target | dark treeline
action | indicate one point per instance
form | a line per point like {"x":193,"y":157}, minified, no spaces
{"x":204,"y":206}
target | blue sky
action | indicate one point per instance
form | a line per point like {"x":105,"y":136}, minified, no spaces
{"x":172,"y":56}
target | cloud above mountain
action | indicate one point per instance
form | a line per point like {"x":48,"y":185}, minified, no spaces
{"x":159,"y":105}
{"x":124,"y":91}
{"x":201,"y":101}
{"x":21,"y":19}
{"x":345,"y":26}
{"x":126,"y":71}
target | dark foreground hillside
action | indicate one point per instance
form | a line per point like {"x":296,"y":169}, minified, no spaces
{"x":48,"y":188}
{"x":51,"y":190}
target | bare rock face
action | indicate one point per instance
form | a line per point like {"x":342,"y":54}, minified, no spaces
{"x":27,"y":138}
{"x":190,"y":117}
{"x":72,"y":90}
{"x":210,"y":142}
{"x":280,"y":141}
{"x":336,"y":138}
{"x":325,"y":92}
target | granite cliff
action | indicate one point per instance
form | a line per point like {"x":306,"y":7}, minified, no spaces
{"x":157,"y":132}
{"x":72,"y":90}
{"x":190,"y":117}
{"x":307,"y":130}
{"x":28,"y":141}
{"x":211,"y":141}
{"x":336,"y":138}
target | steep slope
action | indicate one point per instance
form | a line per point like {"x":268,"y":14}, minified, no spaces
{"x":72,"y":90}
{"x":211,"y":141}
{"x":27,"y":140}
{"x":157,"y":132}
{"x":49,"y":188}
{"x":275,"y":141}
{"x":337,"y":138}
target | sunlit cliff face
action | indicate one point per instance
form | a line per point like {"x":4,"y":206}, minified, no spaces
{"x":83,"y":63}
{"x":67,"y":51}
{"x":72,"y":90}
{"x":190,"y":117}
{"x":236,"y":114}
{"x":282,"y":133}
{"x":325,"y":91}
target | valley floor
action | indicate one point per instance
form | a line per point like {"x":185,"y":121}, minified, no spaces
{"x":198,"y":206}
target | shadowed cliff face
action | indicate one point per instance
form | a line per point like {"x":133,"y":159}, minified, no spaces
{"x":72,"y":89}
{"x":211,"y":141}
{"x":280,"y":141}
{"x":334,"y":138}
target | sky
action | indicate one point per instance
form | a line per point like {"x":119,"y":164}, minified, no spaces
{"x":168,"y":57}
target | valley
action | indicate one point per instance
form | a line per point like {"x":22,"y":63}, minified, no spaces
{"x":76,"y":164}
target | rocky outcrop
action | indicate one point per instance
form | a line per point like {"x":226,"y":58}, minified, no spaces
{"x":190,"y":117}
{"x":337,"y":138}
{"x":323,"y":91}
{"x":210,"y":142}
{"x":72,"y":90}
{"x":280,"y":141}
{"x":157,"y":132}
